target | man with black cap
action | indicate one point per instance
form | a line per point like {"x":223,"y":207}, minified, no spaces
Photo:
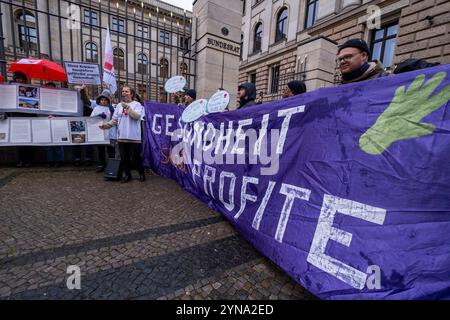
{"x":247,"y":95}
{"x":293,"y":88}
{"x":189,"y":96}
{"x":353,"y":59}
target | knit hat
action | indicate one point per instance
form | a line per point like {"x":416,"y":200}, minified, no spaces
{"x":356,"y":43}
{"x":105,"y":94}
{"x":297,"y":87}
{"x":191,"y":93}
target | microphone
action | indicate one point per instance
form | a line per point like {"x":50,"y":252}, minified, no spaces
{"x":125,"y":109}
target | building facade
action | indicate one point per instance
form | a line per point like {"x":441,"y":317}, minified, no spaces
{"x":298,"y":39}
{"x":151,"y":40}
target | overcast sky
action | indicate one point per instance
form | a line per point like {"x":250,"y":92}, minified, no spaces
{"x":185,"y":4}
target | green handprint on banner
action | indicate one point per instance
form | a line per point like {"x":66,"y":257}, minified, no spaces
{"x":401,"y":120}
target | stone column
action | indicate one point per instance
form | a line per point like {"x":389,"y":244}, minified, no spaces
{"x":216,"y":43}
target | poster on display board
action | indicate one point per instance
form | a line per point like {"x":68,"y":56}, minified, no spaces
{"x":52,"y":131}
{"x":39,"y":100}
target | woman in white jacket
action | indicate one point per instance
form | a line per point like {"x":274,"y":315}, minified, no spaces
{"x":127,"y":117}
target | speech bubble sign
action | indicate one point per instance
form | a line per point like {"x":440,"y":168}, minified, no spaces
{"x":175,"y":84}
{"x":218,"y":102}
{"x":194,"y":111}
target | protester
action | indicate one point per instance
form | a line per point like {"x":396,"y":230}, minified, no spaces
{"x":86,"y":149}
{"x":353,"y":59}
{"x":247,"y":95}
{"x":127,"y":117}
{"x":190,"y":96}
{"x":259,"y":98}
{"x":104,"y":109}
{"x":19,"y":77}
{"x":293,"y":88}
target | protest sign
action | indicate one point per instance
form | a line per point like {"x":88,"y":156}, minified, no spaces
{"x":175,"y":84}
{"x":82,"y":73}
{"x":218,"y":102}
{"x":195,"y":110}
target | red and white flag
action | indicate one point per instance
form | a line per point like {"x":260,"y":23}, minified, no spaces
{"x":109,"y":77}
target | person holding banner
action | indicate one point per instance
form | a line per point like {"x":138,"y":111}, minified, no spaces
{"x":247,"y":95}
{"x":127,"y":117}
{"x":189,"y":97}
{"x":353,"y":60}
{"x":293,"y":88}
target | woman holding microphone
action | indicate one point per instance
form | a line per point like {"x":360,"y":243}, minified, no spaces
{"x":127,"y":117}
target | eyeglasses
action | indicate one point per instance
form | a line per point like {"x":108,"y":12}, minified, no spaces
{"x":347,"y":57}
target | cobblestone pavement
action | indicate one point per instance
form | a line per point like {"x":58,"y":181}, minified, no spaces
{"x":147,"y":240}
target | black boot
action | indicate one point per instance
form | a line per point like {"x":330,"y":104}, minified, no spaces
{"x":142,"y":177}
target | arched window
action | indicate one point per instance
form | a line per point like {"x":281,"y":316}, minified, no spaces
{"x":118,"y":59}
{"x":184,"y":69}
{"x":164,"y":68}
{"x":281,"y":30}
{"x":91,"y":52}
{"x":257,"y":39}
{"x":26,"y":23}
{"x":142,"y":63}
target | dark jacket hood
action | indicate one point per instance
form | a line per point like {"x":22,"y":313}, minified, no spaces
{"x":250,"y":89}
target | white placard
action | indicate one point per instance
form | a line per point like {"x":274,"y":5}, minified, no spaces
{"x":175,"y":84}
{"x":41,"y":131}
{"x":95,"y":134}
{"x":194,"y":111}
{"x":82,"y":73}
{"x":60,"y":131}
{"x":8,"y":94}
{"x":20,"y":130}
{"x":4,"y":131}
{"x":218,"y":102}
{"x":56,"y":100}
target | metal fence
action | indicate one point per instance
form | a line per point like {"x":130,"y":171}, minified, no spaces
{"x":151,"y":39}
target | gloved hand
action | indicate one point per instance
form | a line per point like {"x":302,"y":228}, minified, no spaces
{"x":102,"y":115}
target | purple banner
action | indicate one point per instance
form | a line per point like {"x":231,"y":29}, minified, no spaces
{"x":345,"y":188}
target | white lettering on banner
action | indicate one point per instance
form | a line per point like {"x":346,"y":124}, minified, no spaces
{"x":224,"y":137}
{"x":212,"y":131}
{"x":325,"y":232}
{"x":262,"y":207}
{"x":196,"y":170}
{"x":209,"y":179}
{"x":240,"y":136}
{"x":169,"y":124}
{"x":155,"y":131}
{"x":291,"y":192}
{"x":287,"y":113}
{"x":262,"y":134}
{"x":244,"y":195}
{"x":224,"y":174}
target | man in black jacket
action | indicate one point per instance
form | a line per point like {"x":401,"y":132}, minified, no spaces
{"x":247,"y":95}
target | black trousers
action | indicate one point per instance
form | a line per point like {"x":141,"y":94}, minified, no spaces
{"x":130,"y":155}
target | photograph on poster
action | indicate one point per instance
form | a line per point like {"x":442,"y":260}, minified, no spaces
{"x":78,"y":138}
{"x":29,"y":92}
{"x":77,"y":126}
{"x":27,"y":103}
